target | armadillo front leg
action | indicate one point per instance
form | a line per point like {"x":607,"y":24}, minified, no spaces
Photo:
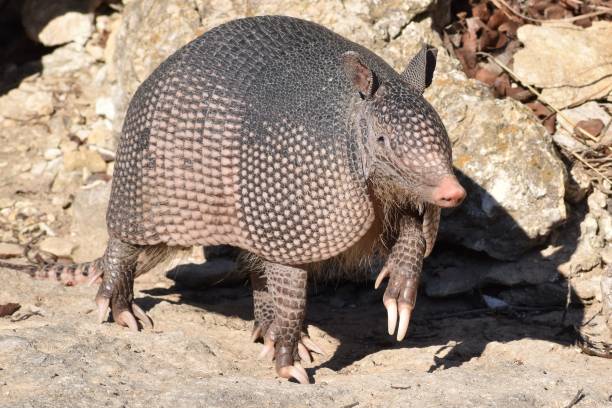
{"x":117,"y":288}
{"x":403,"y":267}
{"x":287,"y":288}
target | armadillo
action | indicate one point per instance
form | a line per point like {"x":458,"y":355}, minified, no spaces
{"x":280,"y":137}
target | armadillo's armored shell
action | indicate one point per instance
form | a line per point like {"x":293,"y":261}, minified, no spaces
{"x":242,"y":137}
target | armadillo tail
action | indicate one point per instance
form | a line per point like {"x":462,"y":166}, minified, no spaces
{"x":68,"y":274}
{"x":29,"y":269}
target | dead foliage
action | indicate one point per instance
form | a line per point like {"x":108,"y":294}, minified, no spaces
{"x":482,"y":35}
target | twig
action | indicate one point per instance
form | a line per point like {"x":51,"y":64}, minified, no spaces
{"x":577,"y":398}
{"x":565,"y":118}
{"x":568,"y":296}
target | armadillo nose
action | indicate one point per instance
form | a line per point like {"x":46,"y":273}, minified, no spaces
{"x":448,"y":193}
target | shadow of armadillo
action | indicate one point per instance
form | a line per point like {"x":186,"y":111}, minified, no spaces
{"x":459,"y":327}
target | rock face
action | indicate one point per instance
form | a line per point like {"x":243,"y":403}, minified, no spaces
{"x":570,"y":63}
{"x":60,"y":21}
{"x":515,"y":180}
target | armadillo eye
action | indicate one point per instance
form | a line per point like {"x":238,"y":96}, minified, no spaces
{"x":381,"y":139}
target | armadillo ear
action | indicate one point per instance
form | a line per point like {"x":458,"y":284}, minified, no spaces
{"x":359,"y":74}
{"x":420,"y":69}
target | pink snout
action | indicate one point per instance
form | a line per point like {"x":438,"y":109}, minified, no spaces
{"x":448,"y":193}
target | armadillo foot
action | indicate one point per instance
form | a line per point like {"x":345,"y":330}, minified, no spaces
{"x":287,"y":367}
{"x":118,"y":266}
{"x":132,"y":317}
{"x":286,"y":356}
{"x":306,"y":345}
{"x":399,"y":300}
{"x":295,"y":371}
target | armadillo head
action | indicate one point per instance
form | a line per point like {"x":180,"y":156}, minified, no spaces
{"x":406,"y":148}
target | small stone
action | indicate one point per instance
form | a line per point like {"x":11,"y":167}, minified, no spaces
{"x":6,"y":202}
{"x":66,"y":182}
{"x":10,"y":343}
{"x":21,"y":105}
{"x":68,"y":146}
{"x":52,"y":153}
{"x":588,"y":288}
{"x":579,"y":184}
{"x":88,"y":228}
{"x":58,"y":22}
{"x":597,"y":200}
{"x":606,"y":255}
{"x":101,"y":135}
{"x":60,"y":247}
{"x":110,"y":168}
{"x":66,"y":59}
{"x":105,"y":107}
{"x":38,"y":169}
{"x":8,"y":250}
{"x":80,"y":159}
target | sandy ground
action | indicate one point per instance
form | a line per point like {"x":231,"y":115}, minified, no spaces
{"x":199,"y":354}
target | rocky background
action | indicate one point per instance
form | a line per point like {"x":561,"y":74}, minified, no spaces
{"x":518,"y":275}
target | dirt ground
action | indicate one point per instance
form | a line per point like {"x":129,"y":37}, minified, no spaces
{"x":54,"y":354}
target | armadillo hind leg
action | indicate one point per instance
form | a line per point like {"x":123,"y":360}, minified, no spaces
{"x":287,"y":287}
{"x":403,"y":267}
{"x":119,"y":264}
{"x":264,"y":313}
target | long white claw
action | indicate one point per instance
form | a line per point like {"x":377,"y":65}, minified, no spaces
{"x":126,"y":318}
{"x":103,"y":304}
{"x":267,"y":350}
{"x":303,"y":353}
{"x":142,"y":316}
{"x":255,"y":333}
{"x":311,"y":345}
{"x":391,"y":305}
{"x":93,"y":278}
{"x":404,"y":320}
{"x":381,"y":276}
{"x":294,"y":371}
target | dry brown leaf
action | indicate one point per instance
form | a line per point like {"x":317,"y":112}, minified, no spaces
{"x":8,"y":309}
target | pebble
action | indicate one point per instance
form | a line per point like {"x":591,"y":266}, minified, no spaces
{"x":105,"y":107}
{"x":39,"y":168}
{"x":9,"y":250}
{"x":60,"y":247}
{"x":77,"y":160}
{"x":13,"y":343}
{"x":52,"y":153}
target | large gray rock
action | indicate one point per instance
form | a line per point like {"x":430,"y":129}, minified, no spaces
{"x":515,"y":180}
{"x":571,"y":64}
